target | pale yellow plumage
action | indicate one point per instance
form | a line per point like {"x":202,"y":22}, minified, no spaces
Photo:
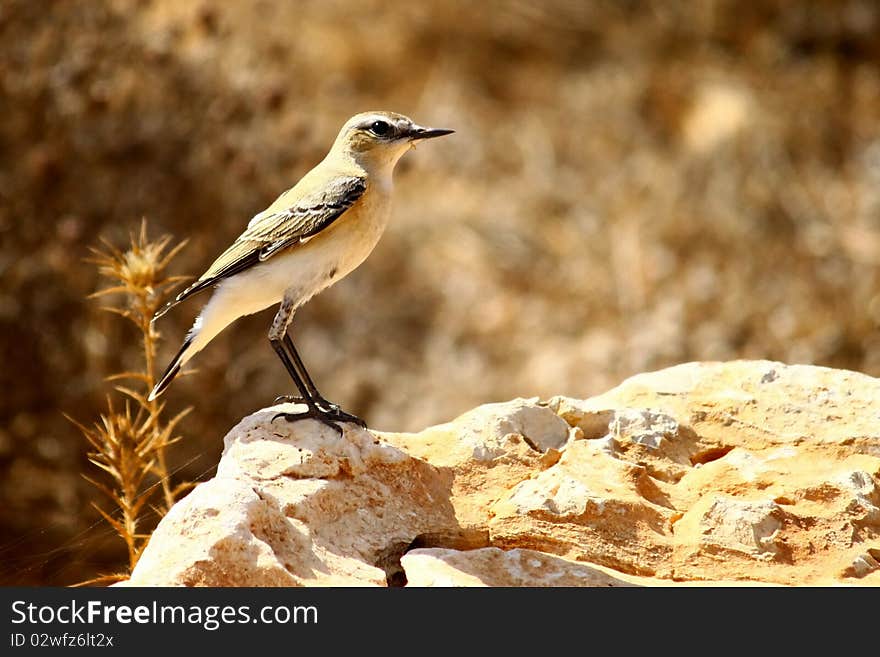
{"x":308,"y":238}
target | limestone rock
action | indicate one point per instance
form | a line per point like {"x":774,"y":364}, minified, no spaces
{"x":771,"y":473}
{"x":488,"y":450}
{"x":747,"y":472}
{"x":495,"y":567}
{"x":296,"y":504}
{"x":590,"y":506}
{"x":226,"y":534}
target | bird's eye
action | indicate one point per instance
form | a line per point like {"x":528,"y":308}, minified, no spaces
{"x":380,"y":128}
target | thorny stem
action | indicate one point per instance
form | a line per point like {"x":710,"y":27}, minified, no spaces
{"x":130,"y":521}
{"x":129,"y":447}
{"x":161,"y":465}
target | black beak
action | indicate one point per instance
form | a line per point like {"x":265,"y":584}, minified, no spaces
{"x":418,"y":132}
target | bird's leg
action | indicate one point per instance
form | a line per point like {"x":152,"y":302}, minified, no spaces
{"x":304,"y":374}
{"x":333,"y":409}
{"x":278,"y":337}
{"x":291,"y":370}
{"x":305,"y":377}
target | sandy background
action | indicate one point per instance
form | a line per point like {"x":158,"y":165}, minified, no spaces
{"x":630,"y":186}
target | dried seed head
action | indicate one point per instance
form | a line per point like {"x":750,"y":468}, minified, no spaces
{"x":138,"y":273}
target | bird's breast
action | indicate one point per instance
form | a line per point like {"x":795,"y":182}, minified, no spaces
{"x":355,"y":234}
{"x":306,"y":269}
{"x":303,"y":270}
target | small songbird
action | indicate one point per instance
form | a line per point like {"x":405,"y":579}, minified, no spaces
{"x":310,"y":237}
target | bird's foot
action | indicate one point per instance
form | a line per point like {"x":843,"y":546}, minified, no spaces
{"x":341,"y":416}
{"x":330,"y":417}
{"x":313,"y":413}
{"x":338,"y":414}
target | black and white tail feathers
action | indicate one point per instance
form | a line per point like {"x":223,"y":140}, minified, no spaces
{"x":173,"y":368}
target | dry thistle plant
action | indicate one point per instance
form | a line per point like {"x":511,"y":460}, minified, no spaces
{"x":125,"y":445}
{"x":130,"y":444}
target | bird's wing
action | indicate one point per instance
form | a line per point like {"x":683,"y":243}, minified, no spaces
{"x":284,"y":224}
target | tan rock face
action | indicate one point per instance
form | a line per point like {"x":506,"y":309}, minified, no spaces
{"x":295,"y":504}
{"x":495,"y":567}
{"x":487,"y":451}
{"x":771,"y":471}
{"x":752,"y":472}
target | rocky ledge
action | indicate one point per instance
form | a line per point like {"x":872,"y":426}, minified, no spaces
{"x":742,"y":472}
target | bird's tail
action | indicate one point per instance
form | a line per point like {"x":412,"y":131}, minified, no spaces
{"x":219,"y":312}
{"x":174,"y":367}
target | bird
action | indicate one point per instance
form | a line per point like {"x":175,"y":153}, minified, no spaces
{"x":310,"y":237}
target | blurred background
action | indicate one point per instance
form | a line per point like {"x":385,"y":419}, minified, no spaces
{"x":631,"y":185}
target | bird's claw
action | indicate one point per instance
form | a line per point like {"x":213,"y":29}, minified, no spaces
{"x":338,"y":414}
{"x":312,"y":413}
{"x":330,"y":417}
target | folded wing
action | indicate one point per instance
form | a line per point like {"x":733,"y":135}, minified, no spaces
{"x":278,"y":228}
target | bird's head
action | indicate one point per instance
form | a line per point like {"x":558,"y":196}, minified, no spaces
{"x":376,"y":140}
